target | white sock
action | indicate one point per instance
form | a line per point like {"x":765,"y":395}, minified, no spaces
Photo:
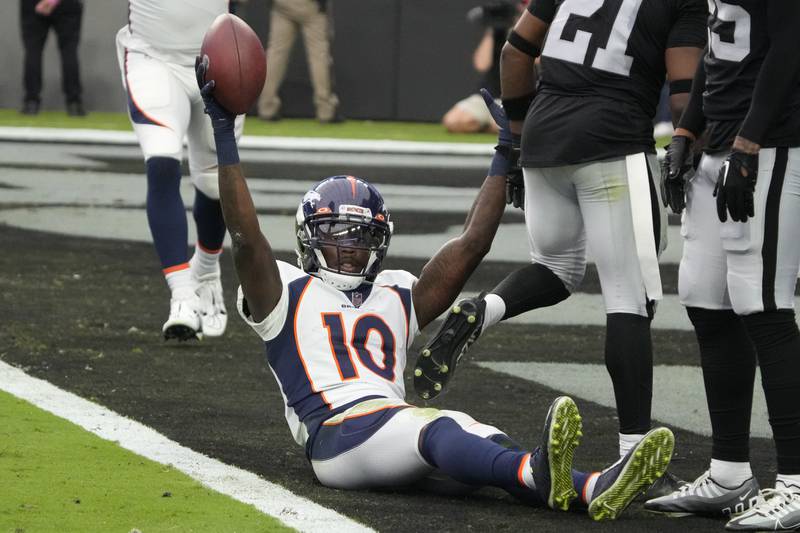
{"x":205,"y":262}
{"x":495,"y":309}
{"x":181,"y":283}
{"x":628,"y":441}
{"x":527,"y":473}
{"x":786,"y":481}
{"x":730,"y":474}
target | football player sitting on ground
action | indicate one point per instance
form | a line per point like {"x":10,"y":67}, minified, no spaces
{"x":740,"y":259}
{"x":337,"y":330}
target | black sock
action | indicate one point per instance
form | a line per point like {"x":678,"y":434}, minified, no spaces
{"x":777,"y":342}
{"x":728,"y":359}
{"x":530,"y":287}
{"x":629,"y":360}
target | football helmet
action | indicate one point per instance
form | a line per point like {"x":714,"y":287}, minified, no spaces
{"x":342,"y":212}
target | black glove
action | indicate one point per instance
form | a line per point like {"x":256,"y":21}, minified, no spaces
{"x":735,"y":186}
{"x":508,"y":151}
{"x":515,"y":184}
{"x":222,"y":120}
{"x":676,"y":171}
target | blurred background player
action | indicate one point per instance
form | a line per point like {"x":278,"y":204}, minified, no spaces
{"x":741,"y":255}
{"x":471,"y":115}
{"x":340,"y":362}
{"x":37,"y":18}
{"x":312,"y":19}
{"x":156,"y":52}
{"x":588,"y":156}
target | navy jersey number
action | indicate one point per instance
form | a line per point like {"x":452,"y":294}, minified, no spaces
{"x":364,"y":327}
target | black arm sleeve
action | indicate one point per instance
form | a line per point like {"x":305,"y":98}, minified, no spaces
{"x":779,"y":71}
{"x":693,"y":118}
{"x":689,"y":29}
{"x":543,"y":9}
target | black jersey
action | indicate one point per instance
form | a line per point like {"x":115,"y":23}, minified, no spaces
{"x":602,"y":69}
{"x":739,"y":41}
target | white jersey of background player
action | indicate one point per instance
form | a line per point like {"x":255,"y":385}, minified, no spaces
{"x":156,"y":52}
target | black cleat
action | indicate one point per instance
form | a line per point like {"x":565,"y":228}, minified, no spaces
{"x":437,"y":361}
{"x":666,"y":484}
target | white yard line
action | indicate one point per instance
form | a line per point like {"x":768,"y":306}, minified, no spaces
{"x":292,"y":510}
{"x":304,"y":144}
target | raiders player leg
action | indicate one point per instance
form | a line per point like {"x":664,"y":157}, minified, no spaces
{"x":207,"y":213}
{"x":763,"y":259}
{"x":603,"y":196}
{"x":160,"y":111}
{"x":558,"y":267}
{"x":727,"y":358}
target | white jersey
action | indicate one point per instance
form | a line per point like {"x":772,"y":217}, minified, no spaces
{"x":328,"y":353}
{"x":170,"y":30}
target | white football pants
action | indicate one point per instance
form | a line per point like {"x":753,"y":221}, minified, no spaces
{"x":390,"y":457}
{"x":614,"y":206}
{"x":751,"y":266}
{"x":165,"y":106}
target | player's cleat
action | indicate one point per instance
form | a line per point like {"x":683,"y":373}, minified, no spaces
{"x":620,"y":483}
{"x":777,"y":509}
{"x":213,"y":315}
{"x":666,"y":484}
{"x":704,"y":496}
{"x":551,"y":463}
{"x":437,"y":361}
{"x":184,"y":320}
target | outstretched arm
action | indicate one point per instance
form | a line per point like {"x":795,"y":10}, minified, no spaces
{"x":444,"y":276}
{"x":255,"y":263}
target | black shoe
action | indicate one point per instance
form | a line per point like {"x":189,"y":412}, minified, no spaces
{"x":30,"y":107}
{"x":666,"y":484}
{"x":438,"y":359}
{"x":75,"y":109}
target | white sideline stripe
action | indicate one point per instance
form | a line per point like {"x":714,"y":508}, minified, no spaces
{"x":304,"y":144}
{"x":271,"y":499}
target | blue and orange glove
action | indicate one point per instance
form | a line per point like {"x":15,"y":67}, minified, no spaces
{"x":506,"y":154}
{"x":222,"y":120}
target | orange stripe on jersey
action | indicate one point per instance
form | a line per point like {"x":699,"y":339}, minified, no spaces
{"x":365,"y":413}
{"x":522,"y":465}
{"x":176,"y":268}
{"x":133,"y":99}
{"x":297,"y":344}
{"x":584,"y":496}
{"x":405,"y":315}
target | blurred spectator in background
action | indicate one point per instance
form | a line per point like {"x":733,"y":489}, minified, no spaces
{"x":37,"y":17}
{"x":471,"y":115}
{"x":311,"y":17}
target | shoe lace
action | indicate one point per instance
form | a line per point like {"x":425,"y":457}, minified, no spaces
{"x":692,"y":488}
{"x":776,"y":502}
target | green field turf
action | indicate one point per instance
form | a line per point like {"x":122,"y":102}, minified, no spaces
{"x":54,"y":476}
{"x":350,"y":129}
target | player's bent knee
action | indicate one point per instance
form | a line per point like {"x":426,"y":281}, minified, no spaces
{"x":207,"y":183}
{"x":470,"y":425}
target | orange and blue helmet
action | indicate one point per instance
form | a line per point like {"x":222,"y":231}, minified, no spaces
{"x":342,"y":212}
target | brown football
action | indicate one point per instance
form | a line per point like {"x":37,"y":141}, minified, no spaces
{"x":236,"y":62}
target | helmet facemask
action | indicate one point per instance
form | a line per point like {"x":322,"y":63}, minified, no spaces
{"x":340,"y":235}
